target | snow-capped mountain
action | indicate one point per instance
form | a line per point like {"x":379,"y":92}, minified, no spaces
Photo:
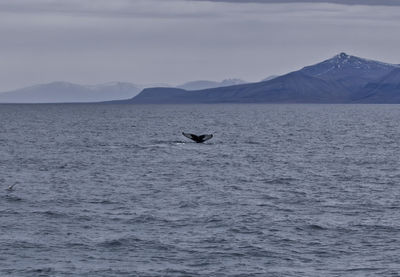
{"x":350,"y":71}
{"x":343,"y":65}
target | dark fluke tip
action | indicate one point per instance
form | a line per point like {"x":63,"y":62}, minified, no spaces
{"x":198,"y":139}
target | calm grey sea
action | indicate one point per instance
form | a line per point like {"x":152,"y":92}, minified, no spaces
{"x":281,"y":190}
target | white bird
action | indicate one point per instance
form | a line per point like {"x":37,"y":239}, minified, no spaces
{"x":12,"y":186}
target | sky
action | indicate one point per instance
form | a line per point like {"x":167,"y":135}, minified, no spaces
{"x":175,"y":41}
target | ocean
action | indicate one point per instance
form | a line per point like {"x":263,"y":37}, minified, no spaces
{"x":280,"y":190}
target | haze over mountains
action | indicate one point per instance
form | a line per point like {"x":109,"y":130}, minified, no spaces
{"x":61,"y":92}
{"x":341,"y":79}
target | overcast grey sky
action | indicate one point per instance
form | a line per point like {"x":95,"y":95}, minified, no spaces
{"x":347,"y":2}
{"x":174,"y":41}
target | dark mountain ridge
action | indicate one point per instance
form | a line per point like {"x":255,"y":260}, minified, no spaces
{"x":385,"y":90}
{"x":204,"y":84}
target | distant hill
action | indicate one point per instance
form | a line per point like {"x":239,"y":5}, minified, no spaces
{"x":198,"y":85}
{"x":341,"y":79}
{"x":160,"y":96}
{"x":61,"y":92}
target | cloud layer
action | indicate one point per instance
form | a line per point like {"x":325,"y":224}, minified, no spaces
{"x":343,"y":2}
{"x":174,"y":41}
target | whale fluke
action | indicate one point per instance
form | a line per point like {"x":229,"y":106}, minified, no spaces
{"x":198,"y":139}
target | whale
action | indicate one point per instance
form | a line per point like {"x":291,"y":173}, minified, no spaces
{"x":198,"y":139}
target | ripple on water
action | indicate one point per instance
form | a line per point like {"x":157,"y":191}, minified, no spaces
{"x":281,"y":190}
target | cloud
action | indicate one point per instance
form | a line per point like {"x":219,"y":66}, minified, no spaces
{"x":344,"y":2}
{"x":105,"y":8}
{"x":174,"y":41}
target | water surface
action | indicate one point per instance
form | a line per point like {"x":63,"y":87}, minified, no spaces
{"x":281,"y":190}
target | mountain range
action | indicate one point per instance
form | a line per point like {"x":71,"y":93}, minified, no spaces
{"x":62,"y":92}
{"x":341,"y":79}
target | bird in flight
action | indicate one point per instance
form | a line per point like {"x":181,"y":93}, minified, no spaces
{"x":10,"y":188}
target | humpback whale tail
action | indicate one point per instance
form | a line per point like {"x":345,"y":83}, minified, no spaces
{"x":198,"y":139}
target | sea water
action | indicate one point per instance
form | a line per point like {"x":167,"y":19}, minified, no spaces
{"x":281,"y":190}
